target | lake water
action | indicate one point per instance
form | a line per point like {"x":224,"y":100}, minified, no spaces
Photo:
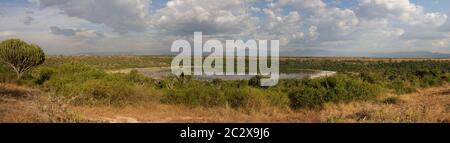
{"x":159,"y":73}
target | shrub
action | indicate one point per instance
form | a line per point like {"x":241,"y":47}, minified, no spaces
{"x":6,"y":75}
{"x":92,"y":86}
{"x":255,"y":81}
{"x":307,"y":98}
{"x":106,"y":92}
{"x":339,"y":88}
{"x":237,"y":98}
{"x":103,"y":92}
{"x":206,"y":96}
{"x":402,"y":87}
{"x":267,"y":98}
{"x":372,"y":77}
{"x":218,"y":83}
{"x":41,"y":75}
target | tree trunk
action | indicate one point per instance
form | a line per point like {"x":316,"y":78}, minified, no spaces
{"x":19,"y":75}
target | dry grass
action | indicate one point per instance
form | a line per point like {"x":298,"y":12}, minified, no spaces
{"x":19,"y":104}
{"x":16,"y":106}
{"x":22,"y":104}
{"x":160,"y":113}
{"x":427,"y":105}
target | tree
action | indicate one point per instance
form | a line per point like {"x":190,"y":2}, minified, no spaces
{"x":21,"y":56}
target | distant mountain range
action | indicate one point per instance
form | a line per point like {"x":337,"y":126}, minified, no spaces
{"x":417,"y":54}
{"x":324,"y":53}
{"x":315,"y":53}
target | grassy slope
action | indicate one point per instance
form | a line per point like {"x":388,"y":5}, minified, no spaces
{"x":22,"y":104}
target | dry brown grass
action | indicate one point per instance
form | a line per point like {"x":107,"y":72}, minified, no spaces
{"x":16,"y":106}
{"x":427,"y":105}
{"x":22,"y":104}
{"x":161,"y":113}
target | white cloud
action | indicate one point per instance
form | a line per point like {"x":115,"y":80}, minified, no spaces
{"x":319,"y":22}
{"x":121,"y":15}
{"x":441,"y":43}
{"x":99,"y":25}
{"x":445,"y":27}
{"x":402,"y":10}
{"x":184,"y":17}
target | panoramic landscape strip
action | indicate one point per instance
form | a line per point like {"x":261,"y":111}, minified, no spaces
{"x":224,"y":61}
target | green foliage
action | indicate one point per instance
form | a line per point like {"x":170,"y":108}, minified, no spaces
{"x":315,"y":93}
{"x":40,"y":75}
{"x":256,"y":81}
{"x":207,"y":96}
{"x":21,"y":56}
{"x":112,"y":62}
{"x":103,"y":92}
{"x":6,"y":75}
{"x":402,"y":87}
{"x":237,"y":98}
{"x":356,"y":81}
{"x":83,"y":80}
{"x":81,"y":84}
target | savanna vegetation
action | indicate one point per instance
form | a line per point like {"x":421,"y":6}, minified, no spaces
{"x":84,"y":81}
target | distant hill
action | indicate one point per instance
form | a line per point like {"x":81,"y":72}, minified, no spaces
{"x":325,"y":53}
{"x":314,"y":53}
{"x":417,"y":54}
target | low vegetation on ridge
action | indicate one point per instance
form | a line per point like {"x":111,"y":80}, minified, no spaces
{"x":84,"y":81}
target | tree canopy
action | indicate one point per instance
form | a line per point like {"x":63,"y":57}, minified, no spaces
{"x":20,"y":55}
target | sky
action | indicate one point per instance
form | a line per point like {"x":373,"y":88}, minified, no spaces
{"x":336,"y":27}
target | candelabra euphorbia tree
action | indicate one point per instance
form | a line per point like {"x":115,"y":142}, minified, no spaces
{"x":21,"y":56}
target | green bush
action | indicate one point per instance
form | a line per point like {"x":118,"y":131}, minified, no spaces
{"x":6,"y":75}
{"x":237,"y":98}
{"x":218,"y":83}
{"x":40,"y":75}
{"x":336,"y":89}
{"x":81,"y":84}
{"x":255,"y":81}
{"x":103,"y":92}
{"x":206,"y":96}
{"x":307,"y":98}
{"x":402,"y":87}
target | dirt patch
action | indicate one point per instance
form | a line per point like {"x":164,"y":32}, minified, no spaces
{"x":20,"y":104}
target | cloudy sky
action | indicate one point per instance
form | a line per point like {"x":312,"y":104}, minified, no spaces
{"x":340,"y":27}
